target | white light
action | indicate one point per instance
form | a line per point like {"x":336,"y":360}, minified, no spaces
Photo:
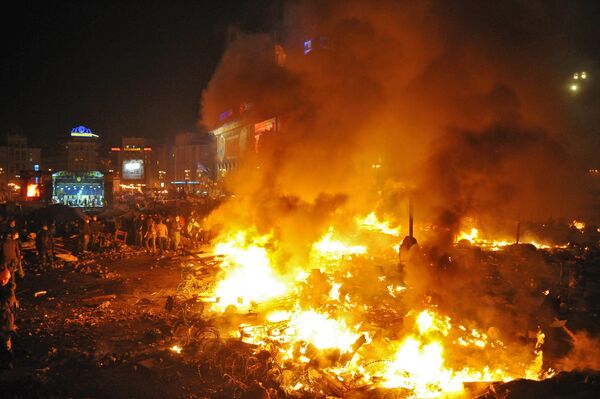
{"x":132,"y":166}
{"x":576,"y":76}
{"x":583,"y":75}
{"x":574,"y":87}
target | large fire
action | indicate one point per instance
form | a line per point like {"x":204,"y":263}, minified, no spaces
{"x":330,"y":323}
{"x":247,"y":274}
{"x":474,"y":237}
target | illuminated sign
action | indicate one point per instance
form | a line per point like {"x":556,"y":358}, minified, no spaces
{"x":307,"y":46}
{"x":82,"y":131}
{"x":265,"y":126}
{"x":133,"y":169}
{"x":320,"y":42}
{"x":260,"y":128}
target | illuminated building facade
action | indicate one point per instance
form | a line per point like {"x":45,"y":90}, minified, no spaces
{"x":235,"y":139}
{"x":81,"y":150}
{"x":140,"y":163}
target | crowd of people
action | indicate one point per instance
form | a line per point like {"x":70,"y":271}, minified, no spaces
{"x":12,"y":266}
{"x":160,"y":235}
{"x":157,"y":234}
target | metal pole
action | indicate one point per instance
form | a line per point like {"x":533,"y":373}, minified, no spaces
{"x":410,"y":217}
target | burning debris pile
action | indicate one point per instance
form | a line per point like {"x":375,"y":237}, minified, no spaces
{"x":355,"y":323}
{"x":401,"y":103}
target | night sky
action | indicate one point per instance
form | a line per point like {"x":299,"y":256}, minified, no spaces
{"x":139,"y":68}
{"x":118,"y":67}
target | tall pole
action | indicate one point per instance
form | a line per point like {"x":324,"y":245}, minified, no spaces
{"x":410,"y":217}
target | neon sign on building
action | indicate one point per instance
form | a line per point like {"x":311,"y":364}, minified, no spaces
{"x":82,"y":131}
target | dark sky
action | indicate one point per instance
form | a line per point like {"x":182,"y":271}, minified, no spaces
{"x":138,"y":68}
{"x":118,"y":67}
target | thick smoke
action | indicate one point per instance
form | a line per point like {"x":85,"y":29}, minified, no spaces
{"x":460,"y":108}
{"x":448,"y":100}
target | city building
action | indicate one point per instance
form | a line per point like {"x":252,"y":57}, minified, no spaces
{"x":235,"y":139}
{"x":193,"y":160}
{"x":81,"y":150}
{"x":140,"y":162}
{"x":163,"y":159}
{"x":134,"y":165}
{"x":15,"y":157}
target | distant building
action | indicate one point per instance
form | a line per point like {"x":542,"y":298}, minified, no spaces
{"x":163,"y":159}
{"x":135,"y":165}
{"x":234,"y":140}
{"x":81,"y":150}
{"x":193,"y":159}
{"x":16,"y":156}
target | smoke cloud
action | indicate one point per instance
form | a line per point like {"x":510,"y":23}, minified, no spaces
{"x":449,"y":101}
{"x":460,"y":108}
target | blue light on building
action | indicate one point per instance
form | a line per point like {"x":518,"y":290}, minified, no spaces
{"x":307,"y":46}
{"x":82,"y":131}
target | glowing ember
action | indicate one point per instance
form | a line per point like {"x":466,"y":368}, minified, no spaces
{"x":334,"y":293}
{"x":419,"y":362}
{"x":419,"y":367}
{"x":428,"y":321}
{"x":322,"y":331}
{"x":371,"y":222}
{"x":335,"y":249}
{"x":578,"y":225}
{"x":176,"y":348}
{"x":473,"y":237}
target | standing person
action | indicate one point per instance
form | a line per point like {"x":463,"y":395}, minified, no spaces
{"x":193,"y":229}
{"x":162,"y":233}
{"x":96,"y":230}
{"x":175,"y":231}
{"x":139,"y":227}
{"x":12,"y":227}
{"x":151,"y":236}
{"x":11,"y":254}
{"x":85,"y":234}
{"x":51,"y":235}
{"x":10,"y":231}
{"x":168,"y":222}
{"x":43,"y":246}
{"x":7,"y":326}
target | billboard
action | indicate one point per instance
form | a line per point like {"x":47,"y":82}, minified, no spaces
{"x":133,"y":169}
